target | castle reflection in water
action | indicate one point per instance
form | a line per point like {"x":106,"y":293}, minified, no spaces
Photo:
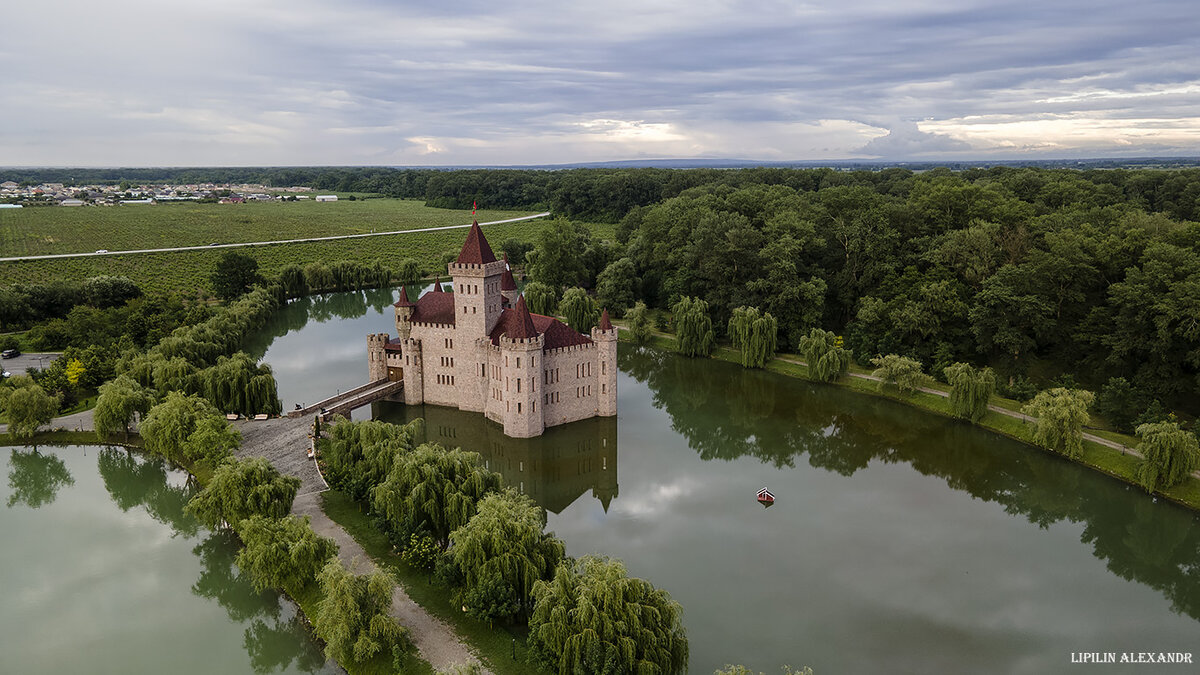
{"x":554,"y":469}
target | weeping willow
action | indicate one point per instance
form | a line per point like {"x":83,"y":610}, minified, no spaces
{"x":970,"y":390}
{"x":827,"y":359}
{"x":1169,"y":455}
{"x":756,"y":335}
{"x":240,"y":489}
{"x":1061,"y":414}
{"x":900,"y":371}
{"x":504,"y":540}
{"x":360,"y":455}
{"x":593,"y":618}
{"x":237,"y":384}
{"x":693,"y":327}
{"x":432,"y":490}
{"x":354,"y":615}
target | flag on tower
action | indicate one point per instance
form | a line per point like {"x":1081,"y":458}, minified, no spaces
{"x":474,"y":205}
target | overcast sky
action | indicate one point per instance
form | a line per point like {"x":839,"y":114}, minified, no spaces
{"x":386,"y":82}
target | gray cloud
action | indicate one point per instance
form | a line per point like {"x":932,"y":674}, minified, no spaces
{"x":318,"y":82}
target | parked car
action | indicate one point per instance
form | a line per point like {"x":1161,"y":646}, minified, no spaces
{"x":5,"y":374}
{"x":103,"y":250}
{"x":10,"y":353}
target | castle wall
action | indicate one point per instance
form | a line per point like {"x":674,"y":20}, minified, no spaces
{"x":571,"y":388}
{"x":439,"y":363}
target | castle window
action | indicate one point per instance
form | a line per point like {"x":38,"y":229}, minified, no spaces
{"x":534,"y":408}
{"x":518,"y":385}
{"x":602,"y":388}
{"x":518,"y":406}
{"x":603,"y":365}
{"x":518,"y":362}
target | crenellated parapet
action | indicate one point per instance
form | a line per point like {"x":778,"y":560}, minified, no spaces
{"x":377,"y":356}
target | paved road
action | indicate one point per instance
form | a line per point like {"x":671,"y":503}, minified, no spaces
{"x":81,"y":421}
{"x":19,"y":365}
{"x":267,"y":243}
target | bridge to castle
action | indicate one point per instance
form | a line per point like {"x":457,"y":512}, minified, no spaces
{"x":345,"y":402}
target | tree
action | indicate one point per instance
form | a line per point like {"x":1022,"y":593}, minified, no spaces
{"x":293,"y":281}
{"x":1119,"y":403}
{"x":353,"y":615}
{"x":410,"y":271}
{"x":1170,"y":455}
{"x":515,"y":249}
{"x":106,"y":291}
{"x":35,"y":479}
{"x":168,"y":425}
{"x":616,"y":287}
{"x":823,"y":352}
{"x":902,"y":372}
{"x":541,"y":298}
{"x":594,"y":618}
{"x":360,"y":455}
{"x":283,"y":552}
{"x":1061,"y":414}
{"x":75,"y":371}
{"x":503,"y":545}
{"x":240,"y":489}
{"x":212,"y":441}
{"x":432,"y":490}
{"x":580,"y":310}
{"x":234,"y":275}
{"x":970,"y":390}
{"x":119,"y":400}
{"x":639,"y":323}
{"x":755,"y":335}
{"x":26,"y":405}
{"x":557,"y":260}
{"x":693,"y":327}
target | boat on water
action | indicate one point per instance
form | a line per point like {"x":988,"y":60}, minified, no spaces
{"x":766,"y":497}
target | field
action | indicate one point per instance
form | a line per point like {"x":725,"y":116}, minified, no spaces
{"x":188,"y":272}
{"x":55,"y":229}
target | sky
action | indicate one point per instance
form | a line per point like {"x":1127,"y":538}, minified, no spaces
{"x":391,"y":82}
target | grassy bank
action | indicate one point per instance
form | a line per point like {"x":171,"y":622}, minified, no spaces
{"x":1096,"y":456}
{"x":494,"y":644}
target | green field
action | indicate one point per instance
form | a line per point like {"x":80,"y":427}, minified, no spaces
{"x":54,"y":229}
{"x":188,"y":272}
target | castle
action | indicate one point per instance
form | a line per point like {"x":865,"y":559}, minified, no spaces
{"x":478,"y":348}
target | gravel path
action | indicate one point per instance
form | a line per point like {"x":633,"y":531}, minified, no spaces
{"x":284,"y":442}
{"x":81,"y":421}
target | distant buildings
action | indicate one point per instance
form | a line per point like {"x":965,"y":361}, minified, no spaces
{"x":327,"y":198}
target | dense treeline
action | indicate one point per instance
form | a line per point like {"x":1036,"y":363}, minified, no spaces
{"x":26,"y":304}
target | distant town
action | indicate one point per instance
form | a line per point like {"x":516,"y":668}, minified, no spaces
{"x":17,"y":195}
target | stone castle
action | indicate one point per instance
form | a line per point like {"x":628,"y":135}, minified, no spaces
{"x":479,"y":348}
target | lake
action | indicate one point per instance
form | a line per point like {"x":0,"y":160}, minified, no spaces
{"x":900,"y":542}
{"x":103,"y":572}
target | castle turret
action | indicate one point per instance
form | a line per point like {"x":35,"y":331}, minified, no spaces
{"x":476,"y":274}
{"x":521,"y":346}
{"x":404,"y":310}
{"x":508,"y":285}
{"x":414,"y":375}
{"x":605,"y":337}
{"x":376,"y":357}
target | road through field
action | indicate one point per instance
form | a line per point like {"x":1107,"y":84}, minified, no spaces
{"x":267,"y":243}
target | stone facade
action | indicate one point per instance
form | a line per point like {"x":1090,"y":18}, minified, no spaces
{"x":478,"y":349}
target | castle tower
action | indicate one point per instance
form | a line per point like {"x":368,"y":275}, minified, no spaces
{"x":376,"y":357}
{"x":521,"y":346}
{"x":605,"y":337}
{"x":508,"y":285}
{"x":476,"y":274}
{"x":414,"y":375}
{"x":404,"y":310}
{"x":606,"y":488}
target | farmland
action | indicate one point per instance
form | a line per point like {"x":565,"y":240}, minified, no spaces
{"x":49,"y":230}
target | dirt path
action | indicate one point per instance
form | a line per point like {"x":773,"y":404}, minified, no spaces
{"x":284,"y":442}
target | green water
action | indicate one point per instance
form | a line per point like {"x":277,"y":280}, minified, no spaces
{"x":901,"y":542}
{"x":103,"y":572}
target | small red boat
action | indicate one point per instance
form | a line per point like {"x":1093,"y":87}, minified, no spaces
{"x":765,"y":497}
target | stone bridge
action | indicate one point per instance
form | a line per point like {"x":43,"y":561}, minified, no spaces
{"x":345,"y":402}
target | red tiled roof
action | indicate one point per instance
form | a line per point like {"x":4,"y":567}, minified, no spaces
{"x":507,"y":283}
{"x":393,"y":345}
{"x":558,"y":334}
{"x":605,"y":322}
{"x":403,"y":301}
{"x":437,"y":285}
{"x":518,"y":323}
{"x":435,"y":307}
{"x":475,"y":250}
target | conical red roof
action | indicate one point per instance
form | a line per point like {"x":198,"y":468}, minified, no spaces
{"x":437,"y":284}
{"x":403,"y":301}
{"x":520,"y":323}
{"x":475,"y":250}
{"x":507,"y":283}
{"x":605,"y":322}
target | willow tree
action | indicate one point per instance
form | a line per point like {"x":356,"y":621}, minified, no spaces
{"x":119,"y":400}
{"x":1169,"y":455}
{"x":541,"y":298}
{"x":283,"y":552}
{"x":353,"y":615}
{"x":504,"y":540}
{"x":901,"y":372}
{"x":593,"y":618}
{"x":292,"y":279}
{"x":693,"y":327}
{"x":579,"y":309}
{"x":359,"y":455}
{"x":168,"y":425}
{"x":755,"y":334}
{"x":27,"y":406}
{"x":827,"y":359}
{"x":432,"y":490}
{"x":241,"y":489}
{"x":237,"y":384}
{"x":970,"y":390}
{"x":1061,"y":414}
{"x":639,"y":323}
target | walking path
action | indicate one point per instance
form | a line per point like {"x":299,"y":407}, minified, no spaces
{"x":284,"y":442}
{"x":269,"y":243}
{"x":80,"y":421}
